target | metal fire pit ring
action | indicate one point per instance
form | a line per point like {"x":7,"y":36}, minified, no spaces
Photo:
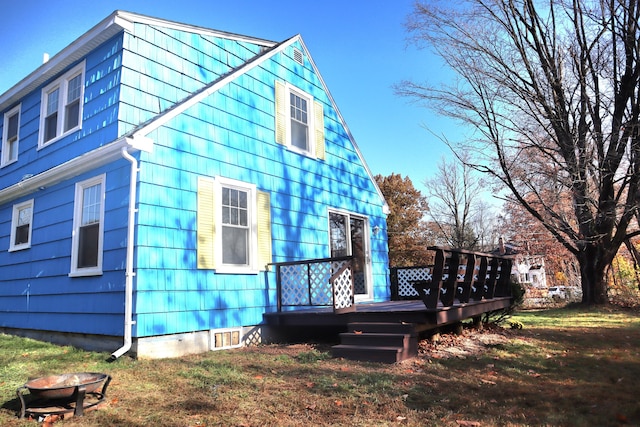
{"x":59,"y":394}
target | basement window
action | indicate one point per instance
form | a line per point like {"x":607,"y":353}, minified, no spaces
{"x":222,"y":339}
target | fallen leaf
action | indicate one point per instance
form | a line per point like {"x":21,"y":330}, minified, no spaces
{"x":258,"y":377}
{"x":338,"y":402}
{"x":621,"y":419}
{"x":311,"y":407}
{"x":483,"y":381}
{"x":310,"y":385}
{"x":400,"y":418}
{"x":49,"y":420}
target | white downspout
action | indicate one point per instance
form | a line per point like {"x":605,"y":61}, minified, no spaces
{"x":128,"y":290}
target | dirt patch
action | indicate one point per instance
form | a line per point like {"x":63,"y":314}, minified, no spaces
{"x":471,"y":343}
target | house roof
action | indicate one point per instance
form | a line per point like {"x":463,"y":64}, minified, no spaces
{"x":124,"y":21}
{"x":110,"y":26}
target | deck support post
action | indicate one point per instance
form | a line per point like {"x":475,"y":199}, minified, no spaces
{"x":477,"y":322}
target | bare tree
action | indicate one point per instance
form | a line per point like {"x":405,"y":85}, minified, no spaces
{"x":551,"y":89}
{"x":456,"y":207}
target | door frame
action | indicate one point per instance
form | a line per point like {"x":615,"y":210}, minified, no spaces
{"x":368,"y":277}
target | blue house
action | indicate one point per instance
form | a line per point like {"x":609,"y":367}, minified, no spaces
{"x":152,"y":173}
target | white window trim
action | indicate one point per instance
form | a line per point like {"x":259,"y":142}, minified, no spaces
{"x":223,"y":331}
{"x":5,"y":138}
{"x":368,"y":267}
{"x":61,"y":83}
{"x":310,"y":120}
{"x":77,"y":218}
{"x":14,"y":224}
{"x":252,"y":268}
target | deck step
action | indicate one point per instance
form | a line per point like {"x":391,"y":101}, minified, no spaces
{"x":382,"y":354}
{"x":375,"y":339}
{"x":382,"y":327}
{"x":378,"y":342}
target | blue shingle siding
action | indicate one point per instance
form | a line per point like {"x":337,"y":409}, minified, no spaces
{"x":99,"y":123}
{"x":135,"y":78}
{"x":230,"y":133}
{"x":163,"y":66}
{"x":36,"y":288}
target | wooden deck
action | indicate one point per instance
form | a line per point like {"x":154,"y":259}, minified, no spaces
{"x":413,"y":312}
{"x":316,"y":298}
{"x":386,"y":332}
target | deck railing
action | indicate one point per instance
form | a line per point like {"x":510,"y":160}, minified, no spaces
{"x":457,"y":275}
{"x":325,"y":282}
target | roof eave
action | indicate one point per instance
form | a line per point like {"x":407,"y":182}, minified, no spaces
{"x":100,"y":33}
{"x":77,"y":50}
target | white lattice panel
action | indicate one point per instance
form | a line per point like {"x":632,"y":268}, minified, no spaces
{"x":407,"y":275}
{"x":342,"y":290}
{"x":320,"y":288}
{"x":293,"y":282}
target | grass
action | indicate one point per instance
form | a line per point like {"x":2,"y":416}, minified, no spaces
{"x":565,"y":367}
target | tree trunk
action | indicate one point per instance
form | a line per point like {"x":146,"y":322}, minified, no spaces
{"x":593,"y":266}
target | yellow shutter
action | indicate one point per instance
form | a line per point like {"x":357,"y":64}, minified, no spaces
{"x":319,"y":129}
{"x":264,"y":229}
{"x":206,"y":223}
{"x":281,"y":113}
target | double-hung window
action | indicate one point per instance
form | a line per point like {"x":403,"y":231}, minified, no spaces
{"x":88,"y":220}
{"x":10,"y":136}
{"x":299,"y":121}
{"x":61,"y":108}
{"x":299,"y":114}
{"x":21,"y":226}
{"x":234,"y":226}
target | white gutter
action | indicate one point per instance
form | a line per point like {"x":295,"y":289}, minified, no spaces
{"x":129,"y":274}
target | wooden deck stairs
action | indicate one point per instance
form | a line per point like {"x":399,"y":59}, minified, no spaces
{"x":378,"y":342}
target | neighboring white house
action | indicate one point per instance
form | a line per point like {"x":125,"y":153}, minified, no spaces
{"x":530,"y":270}
{"x":527,"y":269}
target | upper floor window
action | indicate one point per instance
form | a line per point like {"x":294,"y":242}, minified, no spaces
{"x":61,"y":108}
{"x":21,"y":226}
{"x":299,"y":121}
{"x":88,"y":220}
{"x":299,"y":105}
{"x":10,"y":136}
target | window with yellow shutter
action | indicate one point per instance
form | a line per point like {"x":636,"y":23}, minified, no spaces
{"x":299,"y":121}
{"x":234,"y":226}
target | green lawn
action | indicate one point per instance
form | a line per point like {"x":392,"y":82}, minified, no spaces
{"x":572,"y":367}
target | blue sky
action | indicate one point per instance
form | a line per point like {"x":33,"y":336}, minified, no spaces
{"x":359,"y":46}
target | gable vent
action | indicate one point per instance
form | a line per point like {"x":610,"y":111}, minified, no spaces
{"x":297,"y":56}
